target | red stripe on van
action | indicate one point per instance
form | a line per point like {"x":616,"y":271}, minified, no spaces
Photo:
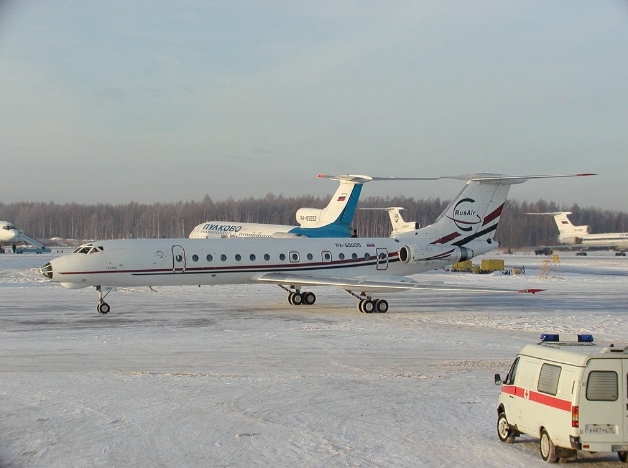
{"x":537,"y":397}
{"x":551,"y":401}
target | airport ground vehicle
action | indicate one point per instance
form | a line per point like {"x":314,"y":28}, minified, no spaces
{"x":568,"y":392}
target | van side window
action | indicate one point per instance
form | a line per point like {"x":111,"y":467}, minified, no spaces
{"x":602,"y":386}
{"x":510,"y":378}
{"x":548,"y":379}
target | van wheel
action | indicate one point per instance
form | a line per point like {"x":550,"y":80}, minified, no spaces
{"x":548,"y":449}
{"x":623,"y":456}
{"x":504,"y":432}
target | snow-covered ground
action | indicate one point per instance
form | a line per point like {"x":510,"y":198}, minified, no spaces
{"x":234,"y":376}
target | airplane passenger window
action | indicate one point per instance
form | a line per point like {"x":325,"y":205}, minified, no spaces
{"x":327,"y":256}
{"x":310,"y":256}
{"x":209,"y":258}
{"x":366,"y":256}
{"x":282,"y":257}
{"x":354,"y":256}
{"x":195,"y":258}
{"x":223,"y":257}
{"x":266,"y":257}
{"x":238,"y":257}
{"x":252,"y":257}
{"x":341,"y":256}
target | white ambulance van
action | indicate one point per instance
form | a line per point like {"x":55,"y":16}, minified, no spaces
{"x":568,"y":392}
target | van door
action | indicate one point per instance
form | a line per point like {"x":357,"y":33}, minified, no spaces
{"x":603,"y":402}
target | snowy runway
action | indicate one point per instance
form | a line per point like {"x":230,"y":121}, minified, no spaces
{"x":234,"y":376}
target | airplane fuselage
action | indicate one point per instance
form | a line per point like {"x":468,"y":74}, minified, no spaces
{"x":617,"y":240}
{"x":8,"y":232}
{"x":167,"y":262}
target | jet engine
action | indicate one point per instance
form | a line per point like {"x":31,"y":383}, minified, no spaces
{"x":569,"y":239}
{"x":427,"y":253}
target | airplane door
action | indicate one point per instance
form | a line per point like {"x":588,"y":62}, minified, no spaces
{"x":382,"y":259}
{"x":178,"y":259}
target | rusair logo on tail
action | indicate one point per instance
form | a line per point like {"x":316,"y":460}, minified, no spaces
{"x":463,"y":216}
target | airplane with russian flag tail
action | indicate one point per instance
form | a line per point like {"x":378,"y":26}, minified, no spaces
{"x":332,"y":221}
{"x":363,"y":267}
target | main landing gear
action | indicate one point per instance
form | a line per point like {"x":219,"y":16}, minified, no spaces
{"x":102,"y":306}
{"x":366,"y":305}
{"x":369,"y":306}
{"x":299,"y":298}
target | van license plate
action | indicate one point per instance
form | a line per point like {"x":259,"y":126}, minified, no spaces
{"x":600,"y":429}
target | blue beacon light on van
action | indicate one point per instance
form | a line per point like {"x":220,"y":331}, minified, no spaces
{"x":555,"y":338}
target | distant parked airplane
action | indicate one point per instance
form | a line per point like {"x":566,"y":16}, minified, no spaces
{"x":579,"y":236}
{"x":399,"y":225}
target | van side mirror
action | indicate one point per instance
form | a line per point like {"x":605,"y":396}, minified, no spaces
{"x":498,"y":379}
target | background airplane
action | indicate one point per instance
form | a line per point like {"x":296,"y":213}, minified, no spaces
{"x":332,"y":221}
{"x":399,"y":225}
{"x":579,"y":236}
{"x":9,"y":233}
{"x":360,"y":266}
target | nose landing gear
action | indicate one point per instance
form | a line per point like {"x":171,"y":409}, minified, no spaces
{"x":102,"y":307}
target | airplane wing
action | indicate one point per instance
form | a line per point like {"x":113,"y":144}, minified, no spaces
{"x":370,"y":284}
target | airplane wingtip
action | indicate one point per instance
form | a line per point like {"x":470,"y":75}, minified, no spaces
{"x":531,"y":291}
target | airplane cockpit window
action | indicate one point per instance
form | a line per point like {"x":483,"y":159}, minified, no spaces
{"x":8,"y":227}
{"x":84,"y":249}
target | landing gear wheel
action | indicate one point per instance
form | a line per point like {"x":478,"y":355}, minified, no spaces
{"x":381,"y":306}
{"x":547,"y":448}
{"x":103,"y":308}
{"x":504,"y":432}
{"x":623,"y":455}
{"x":290,"y":296}
{"x":297,"y":298}
{"x":309,"y":298}
{"x":367,"y":306}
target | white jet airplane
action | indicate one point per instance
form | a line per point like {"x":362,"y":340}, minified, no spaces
{"x":8,"y":232}
{"x":579,"y":236}
{"x":332,"y":221}
{"x":360,"y":266}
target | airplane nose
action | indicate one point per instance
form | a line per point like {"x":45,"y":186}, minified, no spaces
{"x":46,"y":270}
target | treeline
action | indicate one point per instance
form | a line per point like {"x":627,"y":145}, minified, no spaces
{"x":104,"y":221}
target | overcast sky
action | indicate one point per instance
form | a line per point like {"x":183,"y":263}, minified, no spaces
{"x":155,"y":101}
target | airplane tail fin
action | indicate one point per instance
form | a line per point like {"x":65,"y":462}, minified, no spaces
{"x":335,"y":219}
{"x":475,"y":213}
{"x":399,"y":224}
{"x":341,"y":207}
{"x":567,"y":232}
